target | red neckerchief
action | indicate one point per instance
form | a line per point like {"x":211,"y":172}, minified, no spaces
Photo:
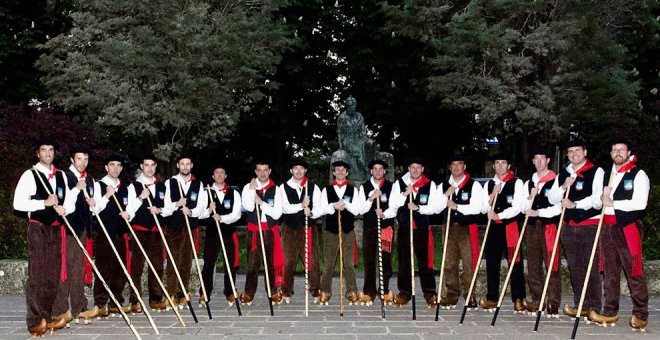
{"x":118,"y":184}
{"x":588,"y":165}
{"x":547,"y":178}
{"x":422,"y":181}
{"x":268,"y":186}
{"x":52,"y":173}
{"x":380,"y":184}
{"x":509,"y":176}
{"x":192,"y":178}
{"x":334,"y":182}
{"x":224,"y":188}
{"x":83,"y":175}
{"x":628,"y":165}
{"x":303,"y":181}
{"x":464,"y":181}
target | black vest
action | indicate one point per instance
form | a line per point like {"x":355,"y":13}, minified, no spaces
{"x":462,"y":196}
{"x":347,"y":219}
{"x":422,"y":198}
{"x":81,"y":219}
{"x":297,"y":220}
{"x":370,"y":218}
{"x":504,"y":198}
{"x":221,"y":208}
{"x":143,"y":217}
{"x":48,"y":215}
{"x":178,"y":220}
{"x":624,"y":191}
{"x":269,"y":197}
{"x":114,"y":223}
{"x":581,"y":188}
{"x":541,"y":201}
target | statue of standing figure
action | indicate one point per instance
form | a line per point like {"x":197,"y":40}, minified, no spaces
{"x":352,"y":139}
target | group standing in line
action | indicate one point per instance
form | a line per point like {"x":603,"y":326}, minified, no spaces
{"x":279,"y":234}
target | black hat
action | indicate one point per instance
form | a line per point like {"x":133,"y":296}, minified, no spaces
{"x":620,"y":140}
{"x":149,"y":157}
{"x":217,"y":165}
{"x":73,"y":150}
{"x":378,"y":162}
{"x":576,"y":141}
{"x":415,"y":160}
{"x":341,"y":163}
{"x":113,"y":157}
{"x":501,"y":156}
{"x":298,"y":161}
{"x":456,"y":158}
{"x":45,"y":141}
{"x":542,"y":150}
{"x":183,"y":156}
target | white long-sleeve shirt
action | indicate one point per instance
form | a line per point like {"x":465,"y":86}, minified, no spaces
{"x":328,"y":208}
{"x":363,"y":198}
{"x":134,"y":191}
{"x":274,"y":211}
{"x":516,"y":205}
{"x":288,"y":208}
{"x":27,"y":187}
{"x":640,"y":196}
{"x":592,"y":201}
{"x":551,"y":211}
{"x":232,"y":216}
{"x":436,"y":202}
{"x":170,"y":207}
{"x":476,"y":197}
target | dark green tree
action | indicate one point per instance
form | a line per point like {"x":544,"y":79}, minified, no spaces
{"x":24,"y":26}
{"x":178,"y":74}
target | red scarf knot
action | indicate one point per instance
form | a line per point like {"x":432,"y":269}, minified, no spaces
{"x":463,"y":182}
{"x":83,"y":175}
{"x":579,"y":172}
{"x":52,"y":173}
{"x":269,"y":185}
{"x":547,"y":178}
{"x":631,"y":164}
{"x":422,"y":181}
{"x":335,"y":183}
{"x":509,"y":176}
{"x":303,"y":181}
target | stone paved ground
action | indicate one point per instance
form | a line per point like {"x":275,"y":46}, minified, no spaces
{"x":358,"y":322}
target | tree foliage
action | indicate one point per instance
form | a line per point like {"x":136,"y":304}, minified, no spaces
{"x":530,"y":71}
{"x":178,"y":73}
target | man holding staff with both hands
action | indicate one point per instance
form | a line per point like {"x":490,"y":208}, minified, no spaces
{"x":566,"y":206}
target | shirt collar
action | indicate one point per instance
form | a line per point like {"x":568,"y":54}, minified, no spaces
{"x":111,"y":182}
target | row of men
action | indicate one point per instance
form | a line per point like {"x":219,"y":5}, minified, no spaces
{"x":55,"y":278}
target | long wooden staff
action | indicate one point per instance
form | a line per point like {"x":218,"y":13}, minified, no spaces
{"x":89,"y":259}
{"x":149,"y":264}
{"x":511,"y":265}
{"x":171,"y":260}
{"x":263,"y":256}
{"x":194,"y":251}
{"x":591,"y":260}
{"x":442,"y":267}
{"x":306,"y":255}
{"x":341,"y":266}
{"x":476,"y":268}
{"x":412,"y":261}
{"x":555,"y":248}
{"x":123,"y":268}
{"x":224,"y":253}
{"x":380,"y":262}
